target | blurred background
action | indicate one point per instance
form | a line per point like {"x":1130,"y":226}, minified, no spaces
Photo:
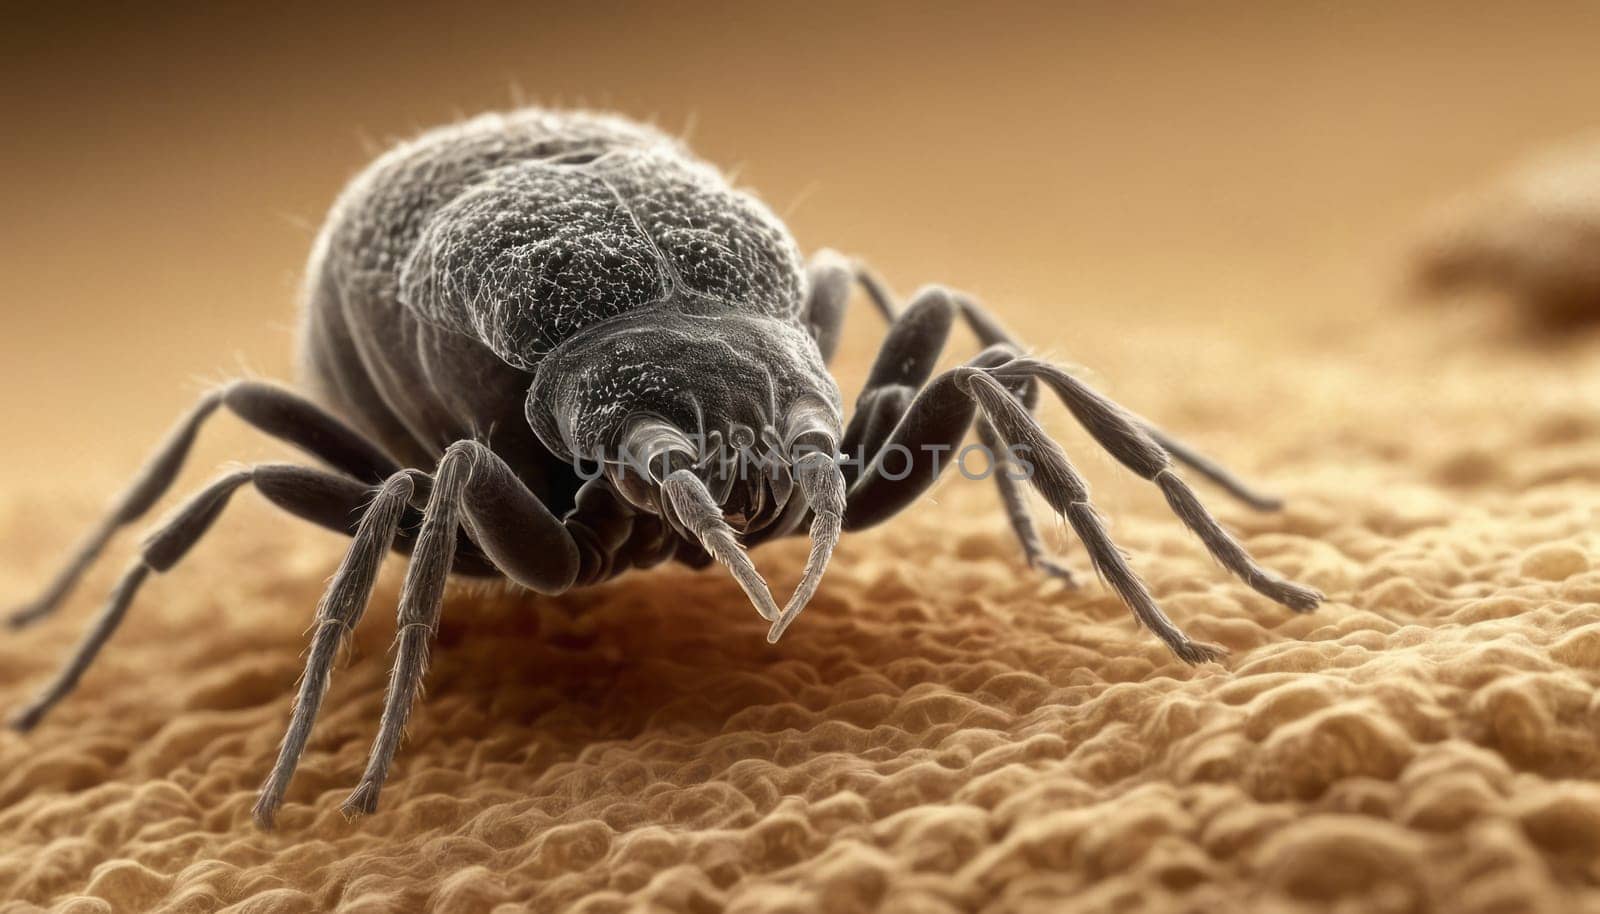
{"x":1088,"y":168}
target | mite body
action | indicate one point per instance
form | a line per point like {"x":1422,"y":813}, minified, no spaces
{"x":529,"y":342}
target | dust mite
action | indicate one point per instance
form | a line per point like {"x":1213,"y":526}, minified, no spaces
{"x":498,"y":309}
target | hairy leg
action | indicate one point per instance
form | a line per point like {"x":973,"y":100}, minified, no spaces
{"x":941,"y":415}
{"x":420,"y":600}
{"x":1058,"y":481}
{"x":324,"y":498}
{"x":989,"y":331}
{"x":274,"y":410}
{"x":883,"y":403}
{"x":474,"y":488}
{"x":939,"y":418}
{"x":910,"y":352}
{"x":1007,"y":478}
{"x":511,"y":532}
{"x":1130,"y":442}
{"x":340,"y":611}
{"x":1210,"y":469}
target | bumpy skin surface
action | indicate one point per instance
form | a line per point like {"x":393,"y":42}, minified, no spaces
{"x":951,"y":735}
{"x":558,"y":270}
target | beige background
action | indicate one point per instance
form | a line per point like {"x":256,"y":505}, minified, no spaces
{"x":164,"y":170}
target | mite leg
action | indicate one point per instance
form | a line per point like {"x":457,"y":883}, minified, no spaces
{"x":906,"y":360}
{"x":1130,"y":442}
{"x":941,"y":416}
{"x":1007,"y":473}
{"x":519,"y":535}
{"x":1210,"y":469}
{"x":514,"y":532}
{"x":989,"y":331}
{"x":830,"y":274}
{"x":340,"y":611}
{"x":881,"y":407}
{"x":1055,"y":478}
{"x":324,"y":498}
{"x":272,"y":409}
{"x":877,"y":412}
{"x":921,"y":445}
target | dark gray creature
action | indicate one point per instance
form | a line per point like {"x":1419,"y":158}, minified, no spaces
{"x":515,"y":301}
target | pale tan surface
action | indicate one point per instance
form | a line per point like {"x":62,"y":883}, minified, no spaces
{"x":1204,"y":209}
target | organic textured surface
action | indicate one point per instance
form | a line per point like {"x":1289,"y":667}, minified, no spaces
{"x":943,"y":730}
{"x":1532,"y":235}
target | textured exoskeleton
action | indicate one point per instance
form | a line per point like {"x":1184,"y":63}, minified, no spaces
{"x":530,"y":342}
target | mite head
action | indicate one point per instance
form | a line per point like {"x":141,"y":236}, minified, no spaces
{"x":719,"y":425}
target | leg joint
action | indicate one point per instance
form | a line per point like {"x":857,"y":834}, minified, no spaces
{"x":169,"y":544}
{"x":467,"y":450}
{"x":402,"y":484}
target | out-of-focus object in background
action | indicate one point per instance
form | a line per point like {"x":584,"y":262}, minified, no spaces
{"x":1532,"y":236}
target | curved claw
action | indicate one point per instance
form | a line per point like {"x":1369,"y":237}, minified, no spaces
{"x":725,"y":548}
{"x":1197,"y":652}
{"x":692,"y":503}
{"x":363,"y":801}
{"x":822,"y":484}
